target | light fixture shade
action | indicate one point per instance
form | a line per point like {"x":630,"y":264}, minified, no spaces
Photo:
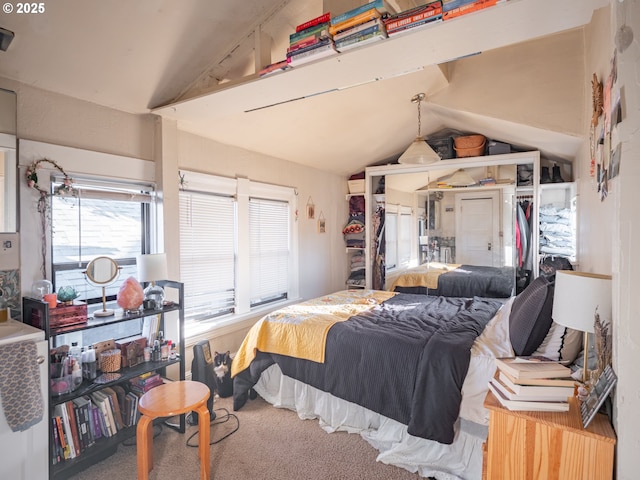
{"x":576,"y":297}
{"x":152,"y":267}
{"x":419,"y":152}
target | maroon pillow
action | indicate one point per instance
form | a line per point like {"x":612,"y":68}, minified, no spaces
{"x":530,"y":317}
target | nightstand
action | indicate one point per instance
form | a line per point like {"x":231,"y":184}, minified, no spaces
{"x":528,"y":445}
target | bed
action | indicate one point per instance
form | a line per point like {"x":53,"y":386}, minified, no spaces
{"x":454,"y":280}
{"x":408,"y":372}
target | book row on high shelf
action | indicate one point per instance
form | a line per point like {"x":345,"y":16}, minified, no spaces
{"x":325,"y":35}
{"x":80,"y":423}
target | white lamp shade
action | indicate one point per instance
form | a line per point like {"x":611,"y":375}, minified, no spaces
{"x":419,"y":152}
{"x":152,"y":267}
{"x":576,"y":297}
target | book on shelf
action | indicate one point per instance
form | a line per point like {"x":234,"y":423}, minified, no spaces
{"x":81,"y":406}
{"x":96,"y":427}
{"x":359,"y":41}
{"x":356,"y":20}
{"x":532,"y":367}
{"x":61,"y":411}
{"x":380,"y":5}
{"x":324,"y":18}
{"x":101,"y":401}
{"x":565,"y":382}
{"x":322,"y":28}
{"x":414,"y":26}
{"x":57,"y":451}
{"x":524,"y":405}
{"x":313,"y":46}
{"x":469,"y":8}
{"x":377,"y":28}
{"x":358,"y":28}
{"x":314,"y":54}
{"x":430,"y":11}
{"x":276,"y":67}
{"x":544,"y":394}
{"x":310,"y":40}
{"x":62,"y":436}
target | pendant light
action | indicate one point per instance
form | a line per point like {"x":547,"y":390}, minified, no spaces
{"x":419,"y":151}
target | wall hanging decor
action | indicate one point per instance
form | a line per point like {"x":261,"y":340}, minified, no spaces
{"x":43,"y":204}
{"x":322,"y":223}
{"x":311,"y":209}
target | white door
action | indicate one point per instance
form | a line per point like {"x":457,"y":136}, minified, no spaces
{"x":477,"y":229}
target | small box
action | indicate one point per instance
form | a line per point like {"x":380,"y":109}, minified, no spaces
{"x":65,"y":315}
{"x":356,"y":186}
{"x":132,"y":349}
{"x":498,"y":148}
{"x":443,"y":147}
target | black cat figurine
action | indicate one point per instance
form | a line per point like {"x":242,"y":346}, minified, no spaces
{"x":222,"y":378}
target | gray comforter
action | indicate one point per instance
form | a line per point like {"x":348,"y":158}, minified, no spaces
{"x":405,"y":359}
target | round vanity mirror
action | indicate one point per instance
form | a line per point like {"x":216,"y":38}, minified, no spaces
{"x":102,"y":271}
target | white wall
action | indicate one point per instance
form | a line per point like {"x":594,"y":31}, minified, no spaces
{"x":322,"y":256}
{"x":626,"y":257}
{"x":608,"y":236}
{"x":64,"y":127}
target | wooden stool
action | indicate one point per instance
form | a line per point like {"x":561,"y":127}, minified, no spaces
{"x":169,"y":400}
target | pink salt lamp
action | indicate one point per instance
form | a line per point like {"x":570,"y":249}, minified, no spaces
{"x":130,"y":295}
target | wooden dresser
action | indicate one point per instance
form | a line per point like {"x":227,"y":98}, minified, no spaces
{"x":527,"y":445}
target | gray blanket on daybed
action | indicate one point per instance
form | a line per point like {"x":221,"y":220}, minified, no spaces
{"x":405,"y":359}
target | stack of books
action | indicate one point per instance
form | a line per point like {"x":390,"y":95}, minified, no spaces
{"x":414,"y":17}
{"x":456,"y":8}
{"x":311,"y":41}
{"x":532,"y":383}
{"x":145,"y":382}
{"x":361,"y":25}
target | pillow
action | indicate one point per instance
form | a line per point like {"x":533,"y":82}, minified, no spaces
{"x":530,"y":317}
{"x":561,"y":343}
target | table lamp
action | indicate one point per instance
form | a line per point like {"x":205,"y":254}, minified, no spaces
{"x":151,"y":268}
{"x":577,"y":297}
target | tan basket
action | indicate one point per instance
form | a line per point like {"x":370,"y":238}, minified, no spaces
{"x":110,"y":360}
{"x":469,"y":145}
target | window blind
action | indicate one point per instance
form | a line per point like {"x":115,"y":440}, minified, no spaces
{"x":269,"y":250}
{"x":391,"y":234}
{"x":207,"y":254}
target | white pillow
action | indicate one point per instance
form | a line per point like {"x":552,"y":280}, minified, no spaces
{"x":561,"y":343}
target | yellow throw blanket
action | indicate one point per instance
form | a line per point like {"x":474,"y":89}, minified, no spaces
{"x":301,"y":330}
{"x":425,"y":275}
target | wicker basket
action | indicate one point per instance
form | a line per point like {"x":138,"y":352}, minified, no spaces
{"x":110,"y":360}
{"x":469,"y":145}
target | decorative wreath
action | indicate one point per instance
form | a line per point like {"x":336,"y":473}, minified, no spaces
{"x":65,"y":188}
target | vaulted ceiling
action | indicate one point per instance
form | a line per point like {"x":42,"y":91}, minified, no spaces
{"x":194,"y":61}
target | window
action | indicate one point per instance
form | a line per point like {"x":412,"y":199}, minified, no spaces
{"x":207,"y":253}
{"x":398,"y":231}
{"x":269,"y":250}
{"x":110,"y":219}
{"x":238,"y":245}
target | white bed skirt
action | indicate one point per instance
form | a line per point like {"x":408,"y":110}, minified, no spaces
{"x":460,"y":460}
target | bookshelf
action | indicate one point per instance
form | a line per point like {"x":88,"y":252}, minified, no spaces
{"x":107,"y":446}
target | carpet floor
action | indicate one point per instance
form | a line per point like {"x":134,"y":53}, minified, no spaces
{"x":269,"y":444}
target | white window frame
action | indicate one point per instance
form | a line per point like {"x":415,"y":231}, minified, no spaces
{"x":243,"y":189}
